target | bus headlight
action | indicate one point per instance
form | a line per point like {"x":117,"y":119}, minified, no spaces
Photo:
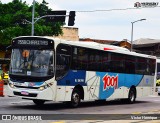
{"x":41,"y":88}
{"x":11,"y":85}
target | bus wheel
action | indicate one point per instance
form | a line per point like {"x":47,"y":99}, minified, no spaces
{"x":132,"y":96}
{"x":39,"y":102}
{"x":75,"y":98}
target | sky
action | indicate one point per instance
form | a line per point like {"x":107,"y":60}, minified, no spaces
{"x":110,"y":25}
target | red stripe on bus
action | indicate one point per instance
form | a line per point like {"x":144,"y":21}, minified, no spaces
{"x":108,"y":49}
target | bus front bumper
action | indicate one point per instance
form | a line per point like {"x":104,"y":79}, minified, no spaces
{"x":46,"y":94}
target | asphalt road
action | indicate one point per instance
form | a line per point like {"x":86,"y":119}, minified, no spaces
{"x":21,"y":106}
{"x":112,"y":109}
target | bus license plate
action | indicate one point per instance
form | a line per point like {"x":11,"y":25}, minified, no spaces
{"x":24,"y":93}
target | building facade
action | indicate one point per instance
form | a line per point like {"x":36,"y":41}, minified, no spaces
{"x":69,"y":33}
{"x":147,"y":46}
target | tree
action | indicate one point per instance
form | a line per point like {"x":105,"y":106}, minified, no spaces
{"x":13,"y":21}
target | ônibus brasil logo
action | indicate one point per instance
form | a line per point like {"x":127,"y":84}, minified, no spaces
{"x":110,"y":81}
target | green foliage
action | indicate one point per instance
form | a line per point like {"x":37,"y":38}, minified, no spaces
{"x":13,"y":16}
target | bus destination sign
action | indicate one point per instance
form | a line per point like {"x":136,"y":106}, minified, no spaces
{"x":32,"y":42}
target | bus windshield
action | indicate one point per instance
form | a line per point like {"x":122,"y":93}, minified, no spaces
{"x":32,"y":63}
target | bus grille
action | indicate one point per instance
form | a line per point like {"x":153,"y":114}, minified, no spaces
{"x":26,"y":87}
{"x":29,"y":95}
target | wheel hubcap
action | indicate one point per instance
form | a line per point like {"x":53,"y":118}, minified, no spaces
{"x":75,"y":98}
{"x":132,"y":96}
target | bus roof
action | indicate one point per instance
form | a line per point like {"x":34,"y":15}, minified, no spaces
{"x":93,"y":45}
{"x":105,"y":47}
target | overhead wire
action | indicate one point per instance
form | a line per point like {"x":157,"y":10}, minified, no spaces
{"x":103,"y":10}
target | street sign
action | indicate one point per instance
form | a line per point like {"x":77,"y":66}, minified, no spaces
{"x":57,"y":17}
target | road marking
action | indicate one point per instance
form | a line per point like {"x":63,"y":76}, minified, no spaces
{"x":137,"y":113}
{"x":148,"y":112}
{"x":58,"y":122}
{"x":154,"y":110}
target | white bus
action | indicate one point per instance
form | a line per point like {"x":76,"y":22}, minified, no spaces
{"x":45,"y":68}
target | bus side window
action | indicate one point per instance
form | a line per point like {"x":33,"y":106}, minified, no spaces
{"x":94,"y":62}
{"x":79,"y":59}
{"x":63,"y":59}
{"x":130,"y":64}
{"x":140,"y":65}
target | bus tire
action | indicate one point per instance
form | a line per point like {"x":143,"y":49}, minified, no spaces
{"x":132,"y":95}
{"x":39,"y":102}
{"x":75,"y":98}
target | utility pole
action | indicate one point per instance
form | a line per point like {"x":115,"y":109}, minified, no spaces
{"x":33,"y":11}
{"x":132,"y":32}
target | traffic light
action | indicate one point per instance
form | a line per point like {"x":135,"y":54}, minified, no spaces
{"x":71,"y":18}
